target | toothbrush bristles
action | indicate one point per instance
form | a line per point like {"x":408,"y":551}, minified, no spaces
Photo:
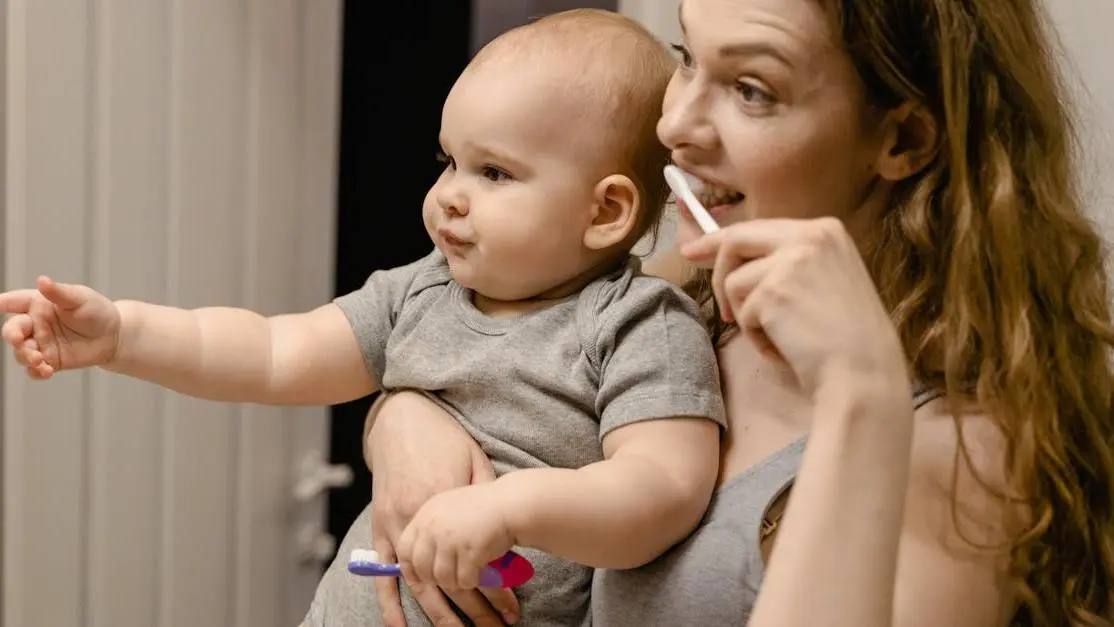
{"x":363,"y":555}
{"x":678,"y":182}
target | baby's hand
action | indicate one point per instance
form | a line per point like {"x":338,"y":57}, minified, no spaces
{"x":453,"y":536}
{"x":59,"y":327}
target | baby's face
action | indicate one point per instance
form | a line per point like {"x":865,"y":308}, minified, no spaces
{"x":511,"y":208}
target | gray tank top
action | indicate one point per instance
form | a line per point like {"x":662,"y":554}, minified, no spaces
{"x":711,"y":578}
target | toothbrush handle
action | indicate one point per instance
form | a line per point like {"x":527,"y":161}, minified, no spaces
{"x":374,"y":569}
{"x":510,"y":571}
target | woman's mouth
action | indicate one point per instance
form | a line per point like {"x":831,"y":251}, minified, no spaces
{"x":716,"y":200}
{"x":714,"y":197}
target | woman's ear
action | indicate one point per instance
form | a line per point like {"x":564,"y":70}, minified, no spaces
{"x":911,"y":139}
{"x":614,"y":212}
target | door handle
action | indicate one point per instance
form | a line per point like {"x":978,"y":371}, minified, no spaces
{"x":315,"y":476}
{"x":314,"y":545}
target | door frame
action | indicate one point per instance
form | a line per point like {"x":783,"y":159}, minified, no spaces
{"x":3,"y":265}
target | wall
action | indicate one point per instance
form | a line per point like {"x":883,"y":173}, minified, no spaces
{"x":659,"y":16}
{"x":4,"y":363}
{"x":180,"y":151}
{"x":1084,"y":27}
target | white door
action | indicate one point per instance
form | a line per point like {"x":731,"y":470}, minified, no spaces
{"x":180,"y":151}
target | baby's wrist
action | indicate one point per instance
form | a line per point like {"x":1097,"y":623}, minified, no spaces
{"x":129,"y":322}
{"x":512,"y":501}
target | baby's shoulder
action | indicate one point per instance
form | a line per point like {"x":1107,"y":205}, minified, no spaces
{"x":630,"y":291}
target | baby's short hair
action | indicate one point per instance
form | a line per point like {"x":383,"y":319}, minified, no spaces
{"x":620,"y":70}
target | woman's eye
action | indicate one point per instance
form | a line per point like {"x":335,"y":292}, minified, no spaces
{"x":753,"y":94}
{"x":683,"y":52}
{"x":495,"y":174}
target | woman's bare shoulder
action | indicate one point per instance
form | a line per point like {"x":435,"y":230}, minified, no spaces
{"x":959,"y":519}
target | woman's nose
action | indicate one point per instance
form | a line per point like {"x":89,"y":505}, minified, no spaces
{"x":684,"y":122}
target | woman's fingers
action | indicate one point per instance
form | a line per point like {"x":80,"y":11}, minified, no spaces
{"x":505,"y":602}
{"x":435,"y":605}
{"x":482,"y":470}
{"x":751,"y":239}
{"x":735,"y":279}
{"x":484,"y":611}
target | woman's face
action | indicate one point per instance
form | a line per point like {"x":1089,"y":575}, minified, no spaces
{"x":767,"y":108}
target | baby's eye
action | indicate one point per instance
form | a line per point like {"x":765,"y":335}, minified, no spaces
{"x":443,"y":157}
{"x":495,"y":175}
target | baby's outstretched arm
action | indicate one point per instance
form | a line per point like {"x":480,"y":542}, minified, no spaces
{"x":648,"y":494}
{"x":236,"y":355}
{"x":216,"y":353}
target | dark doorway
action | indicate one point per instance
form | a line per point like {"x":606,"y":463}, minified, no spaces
{"x":399,"y":61}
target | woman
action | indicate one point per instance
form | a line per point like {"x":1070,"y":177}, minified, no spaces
{"x":907,"y":278}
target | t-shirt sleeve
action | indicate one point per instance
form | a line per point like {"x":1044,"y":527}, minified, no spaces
{"x":373,"y":309}
{"x":656,"y":358}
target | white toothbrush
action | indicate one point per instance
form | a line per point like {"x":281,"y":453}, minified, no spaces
{"x":679,"y":182}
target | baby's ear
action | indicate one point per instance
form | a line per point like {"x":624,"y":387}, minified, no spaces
{"x":614,"y":212}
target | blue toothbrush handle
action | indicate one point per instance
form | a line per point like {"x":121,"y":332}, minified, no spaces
{"x":489,"y":577}
{"x":510,"y":571}
{"x":374,"y":569}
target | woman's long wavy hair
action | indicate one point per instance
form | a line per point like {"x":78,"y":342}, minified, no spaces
{"x":995,"y":277}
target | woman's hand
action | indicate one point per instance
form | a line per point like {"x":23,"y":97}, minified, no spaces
{"x":416,"y":450}
{"x":800,"y":290}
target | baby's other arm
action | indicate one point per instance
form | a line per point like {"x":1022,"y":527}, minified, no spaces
{"x":648,"y":494}
{"x":660,"y":411}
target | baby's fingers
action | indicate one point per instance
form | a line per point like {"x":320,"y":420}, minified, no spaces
{"x":17,"y":330}
{"x":31,"y":356}
{"x":17,"y":302}
{"x":20,"y":333}
{"x":43,"y":371}
{"x":64,"y":295}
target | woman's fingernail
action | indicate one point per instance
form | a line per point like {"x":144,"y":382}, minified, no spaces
{"x":509,"y":617}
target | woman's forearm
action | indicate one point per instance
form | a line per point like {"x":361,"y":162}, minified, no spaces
{"x":405,"y":405}
{"x":836,"y":554}
{"x":369,"y":424}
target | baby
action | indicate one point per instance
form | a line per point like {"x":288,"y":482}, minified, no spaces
{"x":593,"y":388}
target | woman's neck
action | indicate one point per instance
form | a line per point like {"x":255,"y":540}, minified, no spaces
{"x":756,"y":387}
{"x":766,"y":409}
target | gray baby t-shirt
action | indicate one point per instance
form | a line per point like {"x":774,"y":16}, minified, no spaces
{"x":539,"y":389}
